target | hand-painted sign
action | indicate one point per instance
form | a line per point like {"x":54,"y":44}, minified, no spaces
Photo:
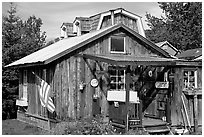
{"x":162,"y":84}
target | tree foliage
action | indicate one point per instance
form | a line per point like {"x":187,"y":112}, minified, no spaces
{"x":181,"y":26}
{"x":19,"y":38}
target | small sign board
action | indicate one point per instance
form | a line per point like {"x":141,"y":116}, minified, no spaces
{"x":162,"y":84}
{"x":94,"y":83}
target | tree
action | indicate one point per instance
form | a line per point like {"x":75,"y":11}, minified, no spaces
{"x":19,"y":38}
{"x":181,"y":26}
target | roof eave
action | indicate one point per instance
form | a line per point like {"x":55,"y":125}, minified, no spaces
{"x":25,"y":65}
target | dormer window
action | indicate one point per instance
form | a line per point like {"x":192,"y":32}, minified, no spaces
{"x":117,"y":44}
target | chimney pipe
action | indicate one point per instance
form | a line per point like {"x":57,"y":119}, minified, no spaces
{"x":112,"y":17}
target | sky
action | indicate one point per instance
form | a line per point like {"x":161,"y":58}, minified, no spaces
{"x":53,"y":14}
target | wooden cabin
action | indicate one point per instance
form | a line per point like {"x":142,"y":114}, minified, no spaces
{"x":86,"y":71}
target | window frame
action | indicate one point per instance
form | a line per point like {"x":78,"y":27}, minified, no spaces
{"x":124,"y":45}
{"x":117,"y":82}
{"x":195,"y":81}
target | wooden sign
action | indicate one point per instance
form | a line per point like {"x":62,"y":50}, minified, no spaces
{"x":162,"y":84}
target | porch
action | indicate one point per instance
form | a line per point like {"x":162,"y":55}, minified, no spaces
{"x":127,"y":111}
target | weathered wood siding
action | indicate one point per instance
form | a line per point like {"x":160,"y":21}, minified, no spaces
{"x":120,"y":18}
{"x":20,"y":84}
{"x":94,"y":22}
{"x":65,"y":74}
{"x":176,"y":102}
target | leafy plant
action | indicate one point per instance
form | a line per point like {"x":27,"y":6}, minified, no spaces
{"x":19,"y":38}
{"x":181,"y":25}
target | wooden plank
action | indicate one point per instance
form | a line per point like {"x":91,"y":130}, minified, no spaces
{"x":184,"y":118}
{"x":69,"y":87}
{"x":20,"y":84}
{"x":127,"y":103}
{"x":185,"y":111}
{"x":63,"y":86}
{"x":72,"y":89}
{"x":78,"y":79}
{"x":195,"y":113}
{"x":33,"y":94}
{"x":56,"y":86}
{"x":89,"y":92}
{"x":176,"y":98}
{"x":70,"y":108}
{"x":199,"y":110}
{"x":59,"y":91}
{"x":51,"y":74}
{"x":75,"y":92}
{"x":66,"y":79}
{"x":36,"y":90}
{"x":44,"y":76}
{"x":81,"y":77}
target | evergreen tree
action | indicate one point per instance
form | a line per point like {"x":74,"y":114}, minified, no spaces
{"x":19,"y":38}
{"x":181,"y":26}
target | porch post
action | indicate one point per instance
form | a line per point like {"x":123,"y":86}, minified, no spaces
{"x":127,"y":81}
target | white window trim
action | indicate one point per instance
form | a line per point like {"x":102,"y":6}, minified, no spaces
{"x":195,"y":78}
{"x":117,"y":82}
{"x":117,"y":52}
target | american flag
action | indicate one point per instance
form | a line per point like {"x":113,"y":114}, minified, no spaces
{"x":44,"y":92}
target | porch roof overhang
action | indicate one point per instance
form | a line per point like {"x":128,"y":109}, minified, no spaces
{"x":139,"y":60}
{"x":130,"y":60}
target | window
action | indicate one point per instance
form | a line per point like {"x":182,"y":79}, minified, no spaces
{"x":25,"y":84}
{"x":117,"y":44}
{"x":190,"y":78}
{"x":117,"y":77}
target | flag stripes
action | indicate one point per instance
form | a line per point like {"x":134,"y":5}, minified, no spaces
{"x":44,"y":91}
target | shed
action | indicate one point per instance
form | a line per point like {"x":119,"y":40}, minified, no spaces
{"x":119,"y":59}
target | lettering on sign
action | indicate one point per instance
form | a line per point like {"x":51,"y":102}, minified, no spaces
{"x":162,"y":84}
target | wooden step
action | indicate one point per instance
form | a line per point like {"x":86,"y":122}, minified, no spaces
{"x":158,"y":131}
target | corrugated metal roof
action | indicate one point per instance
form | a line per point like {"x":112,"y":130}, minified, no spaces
{"x":190,"y":54}
{"x":56,"y":48}
{"x":65,"y":46}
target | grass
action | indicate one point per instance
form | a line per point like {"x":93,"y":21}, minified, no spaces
{"x":80,"y":127}
{"x":16,"y":127}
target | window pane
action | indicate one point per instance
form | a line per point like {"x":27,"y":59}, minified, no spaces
{"x":189,"y":78}
{"x":112,"y":86}
{"x":121,"y":86}
{"x":120,"y":72}
{"x":113,"y":79}
{"x":117,"y":44}
{"x":185,"y":73}
{"x":191,"y":73}
{"x":117,"y":78}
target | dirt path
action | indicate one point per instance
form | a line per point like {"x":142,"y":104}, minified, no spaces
{"x":15,"y":127}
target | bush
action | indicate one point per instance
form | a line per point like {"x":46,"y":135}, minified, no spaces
{"x":94,"y":126}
